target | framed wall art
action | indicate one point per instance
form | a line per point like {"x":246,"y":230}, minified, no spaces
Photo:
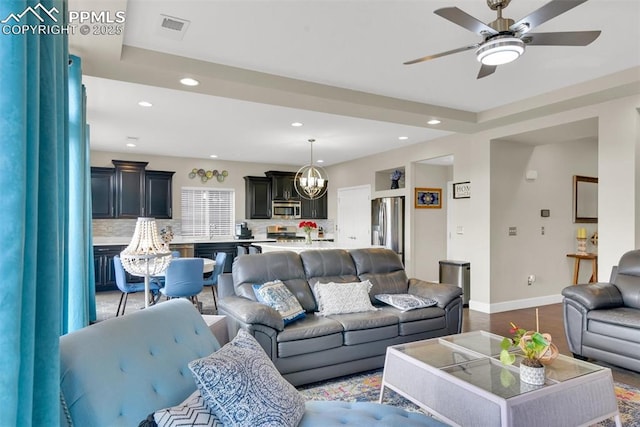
{"x":462,"y":190}
{"x":428,"y":198}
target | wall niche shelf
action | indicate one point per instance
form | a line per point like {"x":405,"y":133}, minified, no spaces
{"x":383,"y":179}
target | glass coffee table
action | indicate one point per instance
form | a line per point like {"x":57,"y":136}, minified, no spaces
{"x":461,"y":380}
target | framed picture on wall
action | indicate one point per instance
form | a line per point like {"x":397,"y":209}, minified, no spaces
{"x":462,"y":190}
{"x":428,"y":198}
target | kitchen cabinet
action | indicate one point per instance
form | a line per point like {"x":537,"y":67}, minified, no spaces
{"x":210,"y":250}
{"x":257,"y":197}
{"x":282,"y":185}
{"x":130,"y":191}
{"x":104,"y":270}
{"x":316,"y":208}
{"x":158,"y":195}
{"x":103,"y":192}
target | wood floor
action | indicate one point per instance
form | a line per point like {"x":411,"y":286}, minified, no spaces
{"x":551,"y":321}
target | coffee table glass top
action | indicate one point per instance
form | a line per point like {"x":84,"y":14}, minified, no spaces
{"x":474,"y":357}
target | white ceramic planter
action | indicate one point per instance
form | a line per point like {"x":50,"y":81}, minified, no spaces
{"x":531,"y":375}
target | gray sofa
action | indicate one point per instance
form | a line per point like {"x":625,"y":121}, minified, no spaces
{"x":321,"y":347}
{"x":602,"y":320}
{"x":118,"y":371}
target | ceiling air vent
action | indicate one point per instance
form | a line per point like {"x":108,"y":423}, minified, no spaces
{"x":172,"y":27}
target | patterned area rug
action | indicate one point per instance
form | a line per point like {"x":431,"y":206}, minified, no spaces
{"x":366,"y":388}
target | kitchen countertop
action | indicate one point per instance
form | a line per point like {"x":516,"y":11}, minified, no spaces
{"x":178,"y":240}
{"x":301,"y":246}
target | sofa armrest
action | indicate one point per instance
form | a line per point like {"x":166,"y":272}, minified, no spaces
{"x":251,"y":312}
{"x":595,"y":295}
{"x":441,"y":292}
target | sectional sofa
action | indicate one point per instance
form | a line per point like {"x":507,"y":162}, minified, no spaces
{"x":319,"y":347}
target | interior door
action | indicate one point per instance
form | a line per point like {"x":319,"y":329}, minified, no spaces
{"x":354,"y":217}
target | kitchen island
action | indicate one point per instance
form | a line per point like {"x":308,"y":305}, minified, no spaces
{"x":301,"y":246}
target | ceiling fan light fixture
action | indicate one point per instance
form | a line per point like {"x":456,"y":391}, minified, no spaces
{"x":500,"y":50}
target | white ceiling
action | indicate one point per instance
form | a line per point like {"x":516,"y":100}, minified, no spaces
{"x":335,"y":66}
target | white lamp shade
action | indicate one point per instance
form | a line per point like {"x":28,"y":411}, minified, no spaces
{"x":147,"y":254}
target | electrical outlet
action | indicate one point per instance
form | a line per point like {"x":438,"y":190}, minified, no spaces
{"x":542,"y":230}
{"x":531,"y":279}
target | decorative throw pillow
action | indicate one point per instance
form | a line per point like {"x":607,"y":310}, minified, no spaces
{"x":406,"y":302}
{"x":342,"y":298}
{"x":192,"y":412}
{"x":276,"y":295}
{"x":240,"y":384}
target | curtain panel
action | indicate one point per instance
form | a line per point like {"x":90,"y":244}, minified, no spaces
{"x":39,"y":292}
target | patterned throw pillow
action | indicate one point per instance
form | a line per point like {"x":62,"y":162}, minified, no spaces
{"x":342,"y":298}
{"x":406,"y":302}
{"x":192,"y":412}
{"x":276,"y":295}
{"x":240,"y":384}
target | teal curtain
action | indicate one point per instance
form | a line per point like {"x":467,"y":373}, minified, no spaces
{"x":38,"y":294}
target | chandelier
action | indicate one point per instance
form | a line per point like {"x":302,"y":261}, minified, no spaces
{"x":311,"y":181}
{"x":147,"y":255}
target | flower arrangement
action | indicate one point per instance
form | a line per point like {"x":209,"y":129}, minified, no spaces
{"x":307,"y":226}
{"x":534,"y":345}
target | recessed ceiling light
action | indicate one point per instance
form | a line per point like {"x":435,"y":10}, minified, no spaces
{"x":320,"y":161}
{"x":130,"y":144}
{"x":145,"y":104}
{"x":213,"y":156}
{"x":296,"y":124}
{"x":402,"y":138}
{"x":434,"y":122}
{"x":188,"y":81}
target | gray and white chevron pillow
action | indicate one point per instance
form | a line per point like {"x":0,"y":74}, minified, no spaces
{"x":192,"y":412}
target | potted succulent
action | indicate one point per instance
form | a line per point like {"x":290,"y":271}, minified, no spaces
{"x":537,"y":349}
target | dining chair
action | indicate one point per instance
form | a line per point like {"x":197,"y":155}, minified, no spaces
{"x":221,"y":258}
{"x":183,"y":279}
{"x":130,"y":287}
{"x":159,"y":280}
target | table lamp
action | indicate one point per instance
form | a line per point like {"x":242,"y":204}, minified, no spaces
{"x":147,"y":255}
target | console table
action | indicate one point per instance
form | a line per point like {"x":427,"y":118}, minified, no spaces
{"x":576,"y":266}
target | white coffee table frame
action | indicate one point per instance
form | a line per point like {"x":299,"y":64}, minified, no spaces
{"x":580,"y":400}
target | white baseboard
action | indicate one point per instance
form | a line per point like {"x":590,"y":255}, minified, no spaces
{"x":499,"y":307}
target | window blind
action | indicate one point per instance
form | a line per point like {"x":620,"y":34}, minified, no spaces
{"x":207,"y":212}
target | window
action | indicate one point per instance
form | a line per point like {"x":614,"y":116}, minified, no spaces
{"x":207,"y":212}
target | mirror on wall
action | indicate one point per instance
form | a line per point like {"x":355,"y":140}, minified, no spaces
{"x":585,"y":199}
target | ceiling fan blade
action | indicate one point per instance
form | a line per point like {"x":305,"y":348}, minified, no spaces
{"x":438,"y":55}
{"x":486,"y":70}
{"x":465,"y":20}
{"x":566,"y":38}
{"x":545,"y":13}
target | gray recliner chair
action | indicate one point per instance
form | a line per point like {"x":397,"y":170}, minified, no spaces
{"x":602,"y":320}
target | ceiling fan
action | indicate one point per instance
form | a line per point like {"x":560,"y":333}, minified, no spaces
{"x":505,"y":40}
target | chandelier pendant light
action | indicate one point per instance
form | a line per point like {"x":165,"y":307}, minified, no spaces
{"x":147,"y":255}
{"x":311,"y":181}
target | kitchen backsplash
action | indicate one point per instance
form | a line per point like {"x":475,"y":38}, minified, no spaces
{"x":126,"y":227}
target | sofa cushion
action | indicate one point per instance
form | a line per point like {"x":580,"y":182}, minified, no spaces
{"x":275,"y":294}
{"x":312,"y":334}
{"x":383,"y":268}
{"x":419,"y":320}
{"x":367,"y":326}
{"x":405,"y":302}
{"x":261,"y":268}
{"x":243,"y":388}
{"x":333,"y":265}
{"x":340,"y":298}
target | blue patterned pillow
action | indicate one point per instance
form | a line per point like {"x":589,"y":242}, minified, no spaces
{"x":276,"y":295}
{"x":240,"y":384}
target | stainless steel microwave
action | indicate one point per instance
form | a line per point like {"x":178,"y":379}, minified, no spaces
{"x":285,"y":209}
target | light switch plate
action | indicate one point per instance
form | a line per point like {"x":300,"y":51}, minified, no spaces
{"x":513,"y":231}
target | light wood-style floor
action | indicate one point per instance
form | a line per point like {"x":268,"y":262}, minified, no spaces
{"x":550,"y":317}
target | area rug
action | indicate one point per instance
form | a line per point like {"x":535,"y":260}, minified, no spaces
{"x":365,"y":387}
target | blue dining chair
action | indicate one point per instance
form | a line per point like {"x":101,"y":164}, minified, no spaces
{"x":159,"y":280}
{"x":130,"y":287}
{"x":221,"y":258}
{"x":183,"y":279}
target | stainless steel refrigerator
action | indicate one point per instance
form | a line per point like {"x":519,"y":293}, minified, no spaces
{"x":387,"y":223}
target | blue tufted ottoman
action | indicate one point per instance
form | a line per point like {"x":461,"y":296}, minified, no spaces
{"x":334,"y":414}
